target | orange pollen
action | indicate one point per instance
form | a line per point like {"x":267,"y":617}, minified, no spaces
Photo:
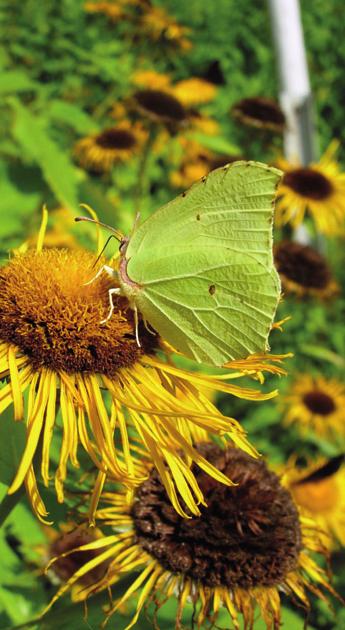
{"x":48,"y":312}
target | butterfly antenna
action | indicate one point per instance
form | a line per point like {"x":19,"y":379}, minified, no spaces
{"x":117,"y":234}
{"x":135,"y":224}
{"x":103,"y":249}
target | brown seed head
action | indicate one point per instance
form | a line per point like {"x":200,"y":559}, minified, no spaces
{"x":248,"y":535}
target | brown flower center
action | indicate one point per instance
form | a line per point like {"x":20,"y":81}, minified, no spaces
{"x":64,"y":568}
{"x":260,"y":109}
{"x":159,"y":104}
{"x":48,"y":312}
{"x":119,"y":139}
{"x":302,"y":264}
{"x":248,"y":535}
{"x":319,"y":402}
{"x":308,"y":182}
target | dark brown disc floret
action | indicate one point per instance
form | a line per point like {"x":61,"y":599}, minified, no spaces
{"x":319,"y":402}
{"x":309,"y":183}
{"x":259,"y":112}
{"x":302,"y":264}
{"x":116,"y":139}
{"x":160,"y":106}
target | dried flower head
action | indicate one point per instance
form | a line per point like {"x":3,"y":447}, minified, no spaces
{"x":246,"y":546}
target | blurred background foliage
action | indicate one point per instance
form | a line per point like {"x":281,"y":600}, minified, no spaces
{"x":63,"y":72}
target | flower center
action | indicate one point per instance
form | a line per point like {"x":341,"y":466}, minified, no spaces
{"x":49,"y":313}
{"x":319,"y":402}
{"x":261,"y":109}
{"x":119,"y":139}
{"x":161,"y":105}
{"x":308,"y":182}
{"x":302,"y":264}
{"x":248,"y":535}
{"x":317,"y":497}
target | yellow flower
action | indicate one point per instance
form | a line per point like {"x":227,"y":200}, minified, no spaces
{"x":58,"y":234}
{"x":158,"y":25}
{"x":317,"y":189}
{"x":248,"y":545}
{"x":194,"y":91}
{"x":316,"y":404}
{"x":319,"y":490}
{"x":304,"y":271}
{"x":202,"y":123}
{"x":99,"y":152}
{"x":113,"y":10}
{"x":55,"y":354}
{"x":151,"y":79}
{"x":197,"y":161}
{"x":260,"y":112}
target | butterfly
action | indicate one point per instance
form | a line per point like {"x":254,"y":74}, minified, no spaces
{"x":200,"y":269}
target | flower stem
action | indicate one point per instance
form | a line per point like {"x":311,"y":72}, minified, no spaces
{"x":142,"y":182}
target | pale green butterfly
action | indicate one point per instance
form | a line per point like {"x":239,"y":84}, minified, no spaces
{"x":200,"y":269}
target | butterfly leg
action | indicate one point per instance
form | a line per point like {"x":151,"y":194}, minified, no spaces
{"x":105,"y":268}
{"x":146,"y":324}
{"x":136,"y":324}
{"x":111,"y":292}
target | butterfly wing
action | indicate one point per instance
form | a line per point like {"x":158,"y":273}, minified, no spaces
{"x":231,"y":207}
{"x":211,"y":304}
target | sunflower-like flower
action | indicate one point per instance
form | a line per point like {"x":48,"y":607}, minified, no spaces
{"x":158,"y":25}
{"x":112,"y":10}
{"x":317,"y":189}
{"x":55,"y":354}
{"x":151,"y":79}
{"x":248,"y":545}
{"x":316,"y":404}
{"x":318,"y":489}
{"x":99,"y":152}
{"x":304,"y":271}
{"x":260,"y":112}
{"x":197,"y":161}
{"x":160,"y":107}
{"x":194,"y":91}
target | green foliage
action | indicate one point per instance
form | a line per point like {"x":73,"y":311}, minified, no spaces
{"x":62,"y":72}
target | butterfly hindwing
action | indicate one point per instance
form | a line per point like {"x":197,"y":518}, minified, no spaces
{"x":212,"y":304}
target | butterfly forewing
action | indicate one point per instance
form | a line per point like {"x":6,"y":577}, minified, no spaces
{"x":231,"y":207}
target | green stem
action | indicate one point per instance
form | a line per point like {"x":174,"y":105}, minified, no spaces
{"x":9,"y":503}
{"x":141,"y":187}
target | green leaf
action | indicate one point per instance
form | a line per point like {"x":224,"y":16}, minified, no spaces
{"x":56,"y":167}
{"x":15,"y":81}
{"x":12,"y":439}
{"x":72,"y":115}
{"x":216,"y":144}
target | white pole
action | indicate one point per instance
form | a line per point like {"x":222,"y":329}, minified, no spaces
{"x":295,"y":95}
